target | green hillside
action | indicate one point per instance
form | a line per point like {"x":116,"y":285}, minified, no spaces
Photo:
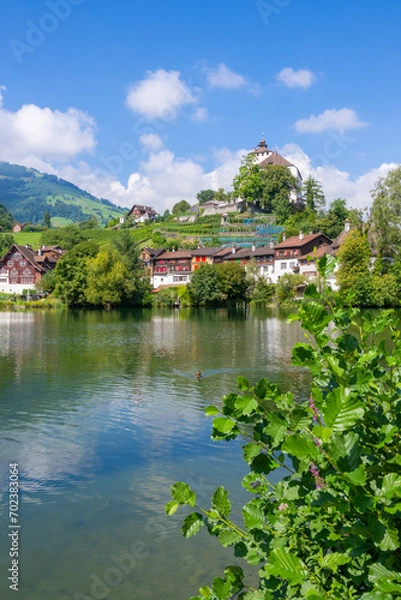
{"x":28,"y":194}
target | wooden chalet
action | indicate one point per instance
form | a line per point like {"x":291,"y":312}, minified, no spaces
{"x":140,"y":213}
{"x":21,"y":268}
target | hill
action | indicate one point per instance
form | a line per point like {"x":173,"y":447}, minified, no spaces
{"x":28,"y":194}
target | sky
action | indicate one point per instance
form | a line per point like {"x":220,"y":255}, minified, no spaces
{"x":151,"y":102}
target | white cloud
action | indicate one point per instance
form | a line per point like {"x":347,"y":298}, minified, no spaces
{"x":337,"y":120}
{"x":201,"y":114}
{"x":160,"y":95}
{"x":223,"y":77}
{"x":151,"y":141}
{"x":36,"y":135}
{"x":337,"y":183}
{"x":302,"y":78}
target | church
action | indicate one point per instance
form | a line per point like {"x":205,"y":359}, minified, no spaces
{"x":266,"y":157}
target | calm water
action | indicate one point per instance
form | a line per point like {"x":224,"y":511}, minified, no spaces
{"x":102,"y":413}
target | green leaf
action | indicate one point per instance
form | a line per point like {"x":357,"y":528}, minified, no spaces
{"x":183,"y":494}
{"x":333,"y":560}
{"x":358,"y":476}
{"x":205,"y":591}
{"x":223,"y":425}
{"x":243,"y":383}
{"x":246,"y":405}
{"x":326,"y":265}
{"x":228,"y":537}
{"x":296,"y":445}
{"x":385,"y":536}
{"x":303,"y":354}
{"x":376,"y":596}
{"x":250,"y":451}
{"x":253,"y":515}
{"x":211,"y":411}
{"x":343,"y":410}
{"x":391,"y":486}
{"x":191,"y":525}
{"x":221,"y":588}
{"x":221,"y":502}
{"x":286,"y":565}
{"x":171,"y":507}
{"x":276,"y":430}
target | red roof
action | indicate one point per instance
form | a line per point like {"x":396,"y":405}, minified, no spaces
{"x":296,"y":242}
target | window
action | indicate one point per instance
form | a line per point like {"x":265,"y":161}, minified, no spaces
{"x":198,"y":259}
{"x":22,"y":263}
{"x":283,"y":266}
{"x":281,"y":253}
{"x":10,"y":263}
{"x":292,"y":264}
{"x":161,"y":269}
{"x":180,"y":278}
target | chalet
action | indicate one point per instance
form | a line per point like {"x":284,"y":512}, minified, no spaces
{"x":172,"y":268}
{"x":148,"y":257}
{"x":18,"y":227}
{"x":142,"y":214}
{"x":262,"y":257}
{"x":21,"y":268}
{"x":291,"y":256}
{"x":203,"y":256}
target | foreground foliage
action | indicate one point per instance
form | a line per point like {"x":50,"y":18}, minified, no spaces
{"x":331,"y":527}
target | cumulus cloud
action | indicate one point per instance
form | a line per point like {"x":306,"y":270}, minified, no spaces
{"x":201,"y":114}
{"x":223,"y":77}
{"x":335,"y":182}
{"x":151,"y":141}
{"x":303,"y":78}
{"x":35,"y":135}
{"x":336,"y":120}
{"x":160,"y":95}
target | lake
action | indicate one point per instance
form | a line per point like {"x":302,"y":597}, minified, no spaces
{"x":102,"y":413}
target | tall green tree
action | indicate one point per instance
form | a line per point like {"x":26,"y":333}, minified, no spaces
{"x":71,"y":272}
{"x":332,"y":223}
{"x":278,"y":185}
{"x":248,"y":183}
{"x":6,"y":241}
{"x":206,"y":286}
{"x":205,"y":196}
{"x":354,"y":275}
{"x":47,"y":220}
{"x":386,"y":213}
{"x":109,"y":278}
{"x":180,"y":207}
{"x":313,"y":195}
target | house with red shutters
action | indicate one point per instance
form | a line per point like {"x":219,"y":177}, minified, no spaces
{"x":21,"y":267}
{"x":298,"y":254}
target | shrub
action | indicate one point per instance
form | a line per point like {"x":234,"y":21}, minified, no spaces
{"x":330,"y":528}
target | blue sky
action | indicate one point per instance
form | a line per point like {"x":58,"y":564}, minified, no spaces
{"x":152,"y":102}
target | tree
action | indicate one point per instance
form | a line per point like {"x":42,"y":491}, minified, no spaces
{"x":323,"y":520}
{"x":287,"y":287}
{"x":333,"y":222}
{"x":70,"y":274}
{"x":354,"y":276}
{"x":206,"y":287}
{"x":234,"y":282}
{"x":205,"y":196}
{"x":6,"y":241}
{"x":222,"y":196}
{"x":248,"y":183}
{"x":180,"y":207}
{"x":313,"y":195}
{"x":47,"y":220}
{"x":65,"y":237}
{"x":278,"y":185}
{"x":386,"y":213}
{"x":109,"y":279}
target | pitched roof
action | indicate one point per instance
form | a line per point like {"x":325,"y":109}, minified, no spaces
{"x":249,"y":253}
{"x":275,"y":159}
{"x":295,"y":242}
{"x":318,"y":252}
{"x":177,"y":254}
{"x":205,"y":251}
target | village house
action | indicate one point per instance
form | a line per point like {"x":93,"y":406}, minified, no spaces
{"x":18,"y":227}
{"x":262,"y":258}
{"x":172,"y":268}
{"x":148,"y":256}
{"x":142,"y":214}
{"x":21,"y":268}
{"x":292,"y":255}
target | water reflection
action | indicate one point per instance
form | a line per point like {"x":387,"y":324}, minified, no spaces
{"x":102,"y":412}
